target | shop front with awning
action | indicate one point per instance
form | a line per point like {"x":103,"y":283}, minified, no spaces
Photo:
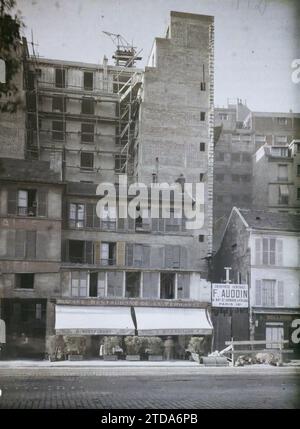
{"x":172,"y":321}
{"x":123,"y":320}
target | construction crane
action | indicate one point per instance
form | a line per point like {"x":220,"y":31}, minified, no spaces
{"x":125,"y":54}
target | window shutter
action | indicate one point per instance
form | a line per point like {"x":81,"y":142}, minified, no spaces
{"x":96,"y":220}
{"x":258,"y":292}
{"x":129,"y":254}
{"x":31,"y":244}
{"x":121,"y":253}
{"x":279,"y":248}
{"x":183,"y":257}
{"x":146,"y":256}
{"x":89,"y":215}
{"x":11,"y":201}
{"x":280,"y":292}
{"x":265,"y":251}
{"x":257,"y":251}
{"x":97,"y":252}
{"x":20,"y":243}
{"x":88,"y":252}
{"x":42,"y":202}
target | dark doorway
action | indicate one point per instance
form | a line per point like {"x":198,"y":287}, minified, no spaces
{"x":167,"y":286}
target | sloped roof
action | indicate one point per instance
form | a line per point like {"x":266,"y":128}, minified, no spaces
{"x":263,"y":219}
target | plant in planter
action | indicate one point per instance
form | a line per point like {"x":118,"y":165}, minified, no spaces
{"x":75,"y":347}
{"x":111,"y":345}
{"x":133,"y":347}
{"x":155,"y":348}
{"x":196,"y":348}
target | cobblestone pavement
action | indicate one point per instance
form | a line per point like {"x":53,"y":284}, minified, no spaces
{"x":151,"y":392}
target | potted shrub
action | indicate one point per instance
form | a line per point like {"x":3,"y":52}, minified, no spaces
{"x":155,"y":349}
{"x":196,"y":348}
{"x":134,"y":347}
{"x":111,"y":345}
{"x":75,"y":347}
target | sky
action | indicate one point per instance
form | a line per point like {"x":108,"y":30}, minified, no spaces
{"x":255,"y":40}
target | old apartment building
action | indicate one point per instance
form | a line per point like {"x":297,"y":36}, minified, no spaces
{"x":87,"y":124}
{"x":239,"y":133}
{"x":276,"y":177}
{"x":263,"y":250}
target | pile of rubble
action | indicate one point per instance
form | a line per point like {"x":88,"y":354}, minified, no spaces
{"x":259,"y":358}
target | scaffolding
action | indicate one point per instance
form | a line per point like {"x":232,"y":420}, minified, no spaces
{"x":119,"y":87}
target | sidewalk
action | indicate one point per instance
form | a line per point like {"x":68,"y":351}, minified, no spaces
{"x":144,"y":368}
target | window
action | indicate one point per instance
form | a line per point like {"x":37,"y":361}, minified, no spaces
{"x":269,"y":251}
{"x":58,"y":130}
{"x":25,"y":244}
{"x":87,"y":106}
{"x":202,"y":116}
{"x":246,"y":178}
{"x":183,"y":286}
{"x":172,"y":256}
{"x":268,"y":293}
{"x":79,"y":284}
{"x":142,"y":222}
{"x":38,"y":311}
{"x":119,"y":163}
{"x":87,"y":133}
{"x":108,"y":254}
{"x":219,"y":177}
{"x":201,"y":238}
{"x":220,"y":156}
{"x":223,"y":116}
{"x":80,"y":252}
{"x":280,"y":152}
{"x":274,"y":335}
{"x":235,"y":157}
{"x":132,"y":285}
{"x":202,"y":147}
{"x":298,"y":170}
{"x":298,"y":193}
{"x":60,"y":78}
{"x":87,"y":160}
{"x":167,"y":285}
{"x":150,"y":285}
{"x":58,"y":104}
{"x":76,"y":215}
{"x":27,"y":202}
{"x":282,"y":172}
{"x":88,"y":81}
{"x":280,"y":140}
{"x":137,"y":255}
{"x":235,"y":199}
{"x":201,"y":177}
{"x":24,"y":281}
{"x":203,"y":86}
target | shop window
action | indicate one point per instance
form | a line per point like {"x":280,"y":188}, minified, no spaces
{"x":87,"y":133}
{"x":88,"y":81}
{"x":132,"y":285}
{"x":24,"y":281}
{"x":167,"y":286}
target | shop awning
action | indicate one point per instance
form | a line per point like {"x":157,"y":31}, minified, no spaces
{"x":93,"y":320}
{"x":172,"y":321}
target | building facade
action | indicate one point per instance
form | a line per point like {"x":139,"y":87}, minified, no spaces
{"x":113,"y":276}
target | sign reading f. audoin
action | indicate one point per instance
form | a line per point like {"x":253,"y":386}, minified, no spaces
{"x":230,"y":295}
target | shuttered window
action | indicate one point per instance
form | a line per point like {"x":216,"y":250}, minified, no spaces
{"x":268,"y":293}
{"x":268,"y":251}
{"x":79,"y":284}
